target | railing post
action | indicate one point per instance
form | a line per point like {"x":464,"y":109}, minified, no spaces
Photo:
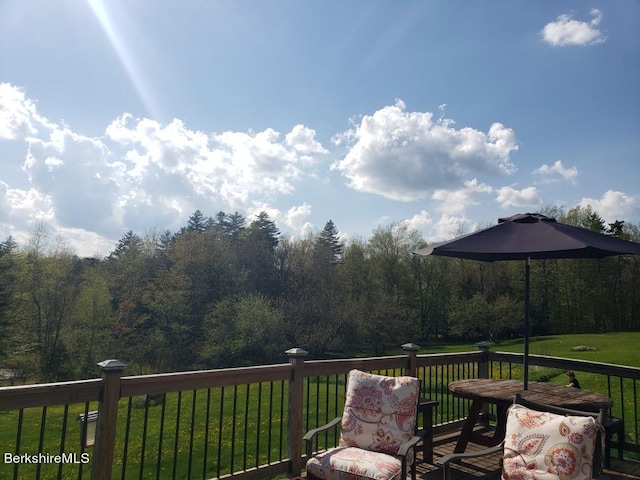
{"x":104,"y":447}
{"x":296,"y":391}
{"x":411,"y":349}
{"x":483,"y":365}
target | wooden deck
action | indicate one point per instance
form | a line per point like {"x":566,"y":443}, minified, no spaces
{"x":488,"y":468}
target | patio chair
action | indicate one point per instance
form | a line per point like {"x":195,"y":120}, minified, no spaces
{"x":377,"y":434}
{"x":544,"y":442}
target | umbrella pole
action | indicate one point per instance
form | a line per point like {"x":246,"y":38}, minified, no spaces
{"x":526,"y":323}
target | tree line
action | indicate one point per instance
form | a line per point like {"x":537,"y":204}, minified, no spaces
{"x":225,"y":291}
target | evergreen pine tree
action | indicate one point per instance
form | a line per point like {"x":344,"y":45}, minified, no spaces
{"x":329,"y":240}
{"x":130,"y":242}
{"x":265,"y":230}
{"x":197,"y":222}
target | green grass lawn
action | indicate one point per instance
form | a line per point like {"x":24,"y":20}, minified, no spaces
{"x":621,"y":348}
{"x":257,"y":440}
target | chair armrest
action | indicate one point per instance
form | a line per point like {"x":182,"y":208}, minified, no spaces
{"x":308,"y":438}
{"x":446,"y":459}
{"x":312,"y":433}
{"x":404,"y":448}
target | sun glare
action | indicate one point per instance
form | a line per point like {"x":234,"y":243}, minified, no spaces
{"x":124,"y":50}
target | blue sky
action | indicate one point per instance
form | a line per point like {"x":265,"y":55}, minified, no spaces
{"x":443,"y":115}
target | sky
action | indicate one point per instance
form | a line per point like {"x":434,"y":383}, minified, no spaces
{"x":442,"y":115}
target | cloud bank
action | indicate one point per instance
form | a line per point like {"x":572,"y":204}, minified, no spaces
{"x":142,"y":174}
{"x":404,"y":155}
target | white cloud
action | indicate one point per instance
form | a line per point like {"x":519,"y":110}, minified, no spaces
{"x":85,"y":243}
{"x":421,"y":222}
{"x":450,"y":226}
{"x":456,"y":201}
{"x":556,"y":170}
{"x":143,"y":173}
{"x":404,"y":155}
{"x":29,"y":206}
{"x":303,"y":140}
{"x":510,"y":197}
{"x":566,"y":31}
{"x":258,"y":207}
{"x":613,"y":205}
{"x":19,"y":118}
{"x":230,"y":168}
{"x":296,"y":219}
{"x":444,"y":228}
{"x":21,"y":210}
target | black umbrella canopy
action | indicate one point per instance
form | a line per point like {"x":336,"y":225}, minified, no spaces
{"x":527,"y":236}
{"x":532,"y":235}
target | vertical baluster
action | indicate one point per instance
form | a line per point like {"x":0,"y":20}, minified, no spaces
{"x":220,"y":426}
{"x":438,"y":389}
{"x":317,"y":419}
{"x":307,"y":402}
{"x":622,"y":415}
{"x":635,"y":402}
{"x":281,"y":419}
{"x":18,"y":437}
{"x":125,"y":453}
{"x":233,"y":427}
{"x":336,"y":401}
{"x":270,"y":423}
{"x":43,"y":422}
{"x":245,"y":432}
{"x":161,"y":435}
{"x":206,"y":435}
{"x":143,"y":446}
{"x":63,"y":437}
{"x":83,"y":438}
{"x":177,"y":433}
{"x":193,"y":429}
{"x":258,"y":424}
{"x":635,"y":414}
{"x":326,"y":411}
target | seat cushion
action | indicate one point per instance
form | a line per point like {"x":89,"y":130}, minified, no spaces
{"x":546,"y":446}
{"x":379,"y":412}
{"x":350,"y":463}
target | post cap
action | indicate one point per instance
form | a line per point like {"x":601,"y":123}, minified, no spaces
{"x":111,"y":365}
{"x":296,"y":352}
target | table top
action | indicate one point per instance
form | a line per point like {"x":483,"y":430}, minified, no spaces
{"x":501,"y":392}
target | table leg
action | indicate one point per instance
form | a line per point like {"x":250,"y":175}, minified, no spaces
{"x":469,"y":424}
{"x":501,"y":424}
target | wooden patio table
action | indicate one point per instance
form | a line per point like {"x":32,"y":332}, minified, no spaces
{"x":484,"y":391}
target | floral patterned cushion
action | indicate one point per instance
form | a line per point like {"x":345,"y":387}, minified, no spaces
{"x":350,"y":463}
{"x":546,"y":446}
{"x":379,"y":412}
{"x":379,"y":416}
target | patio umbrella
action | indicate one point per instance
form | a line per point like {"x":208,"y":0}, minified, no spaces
{"x":527,"y":236}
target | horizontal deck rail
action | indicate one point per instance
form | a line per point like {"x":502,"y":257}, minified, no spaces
{"x":243,"y":422}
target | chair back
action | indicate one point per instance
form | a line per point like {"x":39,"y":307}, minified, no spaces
{"x":543,"y":407}
{"x":379,"y":412}
{"x":551,"y":440}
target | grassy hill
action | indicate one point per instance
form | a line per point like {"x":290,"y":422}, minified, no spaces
{"x":621,"y":348}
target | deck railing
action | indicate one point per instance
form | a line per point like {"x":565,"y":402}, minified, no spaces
{"x":238,"y":422}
